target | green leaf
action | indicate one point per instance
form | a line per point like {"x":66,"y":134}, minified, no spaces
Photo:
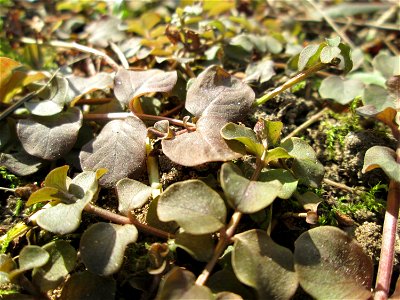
{"x":330,"y":265}
{"x":194,"y":206}
{"x":264,"y":265}
{"x":132,"y":194}
{"x":382,"y":157}
{"x":49,"y":218}
{"x":103,"y":245}
{"x":387,"y":64}
{"x":57,"y":178}
{"x":245,"y":195}
{"x":30,"y":257}
{"x":341,"y":90}
{"x":62,"y":261}
{"x":201,"y":247}
{"x":226,"y":280}
{"x":84,"y":182}
{"x":86,"y":285}
{"x":328,"y":53}
{"x":50,"y":137}
{"x":261,"y":71}
{"x":379,"y":97}
{"x":309,"y":56}
{"x":275,"y":154}
{"x":346,"y":54}
{"x":180,"y":284}
{"x":44,"y":194}
{"x":245,"y":135}
{"x":334,"y":42}
{"x":289,"y":183}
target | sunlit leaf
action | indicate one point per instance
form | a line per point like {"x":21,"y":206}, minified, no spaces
{"x":79,"y":86}
{"x":105,"y":30}
{"x":245,"y":195}
{"x":346,"y":54}
{"x":50,"y":137}
{"x":103,"y":245}
{"x":264,"y":265}
{"x":289,"y":183}
{"x":62,"y":261}
{"x":57,"y":178}
{"x":180,"y":284}
{"x":44,"y":194}
{"x":216,"y":93}
{"x":30,"y":257}
{"x":260,"y":71}
{"x":309,"y":56}
{"x":245,"y":135}
{"x":206,"y":142}
{"x":276,"y":154}
{"x":387,"y":64}
{"x":120,"y":148}
{"x":197,"y":208}
{"x":86,"y":285}
{"x":330,"y":265}
{"x":7,"y":65}
{"x":341,"y":90}
{"x":49,"y":218}
{"x":382,"y":157}
{"x":131,"y":194}
{"x":131,"y":84}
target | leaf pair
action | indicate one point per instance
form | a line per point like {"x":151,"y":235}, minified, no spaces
{"x":215,"y":97}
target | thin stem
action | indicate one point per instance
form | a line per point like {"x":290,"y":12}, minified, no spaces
{"x":7,"y":189}
{"x":118,"y":219}
{"x":227,"y":233}
{"x":306,"y":124}
{"x":123,"y":115}
{"x":153,"y":171}
{"x":338,"y":185}
{"x":389,"y":233}
{"x":296,"y":79}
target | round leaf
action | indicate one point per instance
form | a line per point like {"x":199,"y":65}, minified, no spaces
{"x":120,"y":148}
{"x":32,"y":257}
{"x":244,"y":195}
{"x":330,"y":265}
{"x":264,"y":265}
{"x":383,"y":157}
{"x":201,"y":247}
{"x":131,"y":194}
{"x":50,"y":137}
{"x":341,"y":90}
{"x":62,"y":261}
{"x":103,"y":245}
{"x":289,"y":183}
{"x":88,"y":286}
{"x":194,"y":206}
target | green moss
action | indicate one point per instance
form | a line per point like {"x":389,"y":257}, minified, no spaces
{"x":12,"y":180}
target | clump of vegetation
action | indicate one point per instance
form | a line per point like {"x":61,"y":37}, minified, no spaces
{"x":140,"y":83}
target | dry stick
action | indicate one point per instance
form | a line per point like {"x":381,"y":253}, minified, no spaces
{"x":75,"y":46}
{"x":306,"y":124}
{"x":227,"y":233}
{"x":120,"y":54}
{"x":292,"y":81}
{"x":331,"y":23}
{"x":338,"y":185}
{"x":389,"y":233}
{"x":116,"y":218}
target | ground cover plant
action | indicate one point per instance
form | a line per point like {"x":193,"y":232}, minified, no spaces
{"x":199,"y":150}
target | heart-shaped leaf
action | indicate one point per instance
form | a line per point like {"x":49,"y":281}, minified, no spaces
{"x":62,"y":261}
{"x":79,"y":86}
{"x":306,"y":166}
{"x":341,"y":90}
{"x":49,"y":218}
{"x":289,"y":183}
{"x":197,"y":208}
{"x":131,"y":194}
{"x":132,"y":84}
{"x":50,"y":137}
{"x":120,"y":148}
{"x":201,"y":247}
{"x":206,"y":142}
{"x":55,"y":102}
{"x":382,"y":157}
{"x":245,"y":195}
{"x":328,"y":53}
{"x":330,"y":265}
{"x":180,"y":284}
{"x":103,"y":245}
{"x":264,"y":265}
{"x":216,"y":93}
{"x":86,"y":285}
{"x":245,"y":135}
